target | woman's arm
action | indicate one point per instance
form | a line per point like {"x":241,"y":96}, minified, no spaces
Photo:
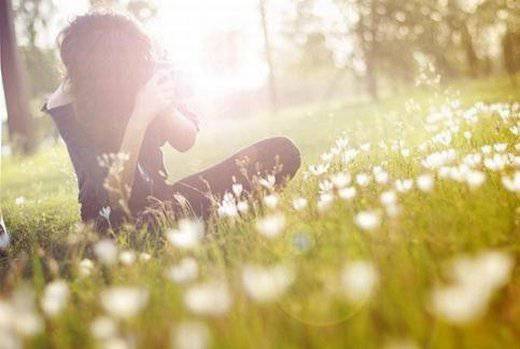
{"x":181,"y":131}
{"x":153,"y":99}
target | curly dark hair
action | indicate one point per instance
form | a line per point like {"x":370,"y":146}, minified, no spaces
{"x":108,"y":57}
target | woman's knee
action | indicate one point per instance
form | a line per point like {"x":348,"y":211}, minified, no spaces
{"x":288,"y":154}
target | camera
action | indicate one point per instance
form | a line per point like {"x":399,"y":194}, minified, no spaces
{"x":182,"y":89}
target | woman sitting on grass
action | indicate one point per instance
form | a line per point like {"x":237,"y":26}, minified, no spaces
{"x":116,"y":99}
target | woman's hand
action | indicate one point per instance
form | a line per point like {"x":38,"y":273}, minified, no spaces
{"x":155,"y":97}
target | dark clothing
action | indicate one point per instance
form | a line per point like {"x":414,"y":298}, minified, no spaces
{"x":151,"y":174}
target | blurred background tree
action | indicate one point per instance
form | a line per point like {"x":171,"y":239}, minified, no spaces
{"x":14,"y":78}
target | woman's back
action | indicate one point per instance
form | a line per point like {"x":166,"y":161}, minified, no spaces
{"x":150,"y":177}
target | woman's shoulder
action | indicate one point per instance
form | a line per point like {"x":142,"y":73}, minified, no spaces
{"x":59,"y":103}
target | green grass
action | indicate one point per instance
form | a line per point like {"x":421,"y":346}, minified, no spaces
{"x":410,"y":252}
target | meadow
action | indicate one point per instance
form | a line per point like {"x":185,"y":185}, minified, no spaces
{"x":401,"y":230}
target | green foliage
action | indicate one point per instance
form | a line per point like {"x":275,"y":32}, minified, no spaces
{"x":41,"y":65}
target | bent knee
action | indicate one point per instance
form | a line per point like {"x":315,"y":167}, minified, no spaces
{"x":288,"y":153}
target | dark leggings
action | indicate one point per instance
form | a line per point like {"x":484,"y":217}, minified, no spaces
{"x":278,"y":156}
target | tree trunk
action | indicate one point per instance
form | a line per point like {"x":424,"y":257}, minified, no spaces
{"x":371,"y":79}
{"x":469,"y":48}
{"x":269,"y":58}
{"x":509,"y":56}
{"x":370,"y":48}
{"x":19,"y":121}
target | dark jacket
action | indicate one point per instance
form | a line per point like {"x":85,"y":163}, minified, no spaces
{"x":150,"y":177}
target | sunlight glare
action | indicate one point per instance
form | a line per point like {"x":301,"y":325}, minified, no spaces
{"x":218,"y":44}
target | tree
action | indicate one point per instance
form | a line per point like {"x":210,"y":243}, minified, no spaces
{"x":19,"y":121}
{"x":268,"y":55}
{"x":35,"y":16}
{"x":316,"y":55}
{"x":507,"y":14}
{"x":364,"y":24}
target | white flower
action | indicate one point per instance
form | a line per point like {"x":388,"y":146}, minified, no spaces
{"x":388,"y":198}
{"x":19,"y":316}
{"x":271,"y":226}
{"x":186,"y":271}
{"x":103,"y":328}
{"x":425,"y":182}
{"x":368,"y":220}
{"x":443,"y":138}
{"x":127,"y":257}
{"x":299,"y":204}
{"x":475,"y":281}
{"x":85,"y":267}
{"x":359,"y":280}
{"x":124,"y":302}
{"x":144,"y":257}
{"x":347,"y":193}
{"x":6,"y":314}
{"x":486,"y":149}
{"x":514,"y":160}
{"x":362,"y":179}
{"x":489,"y":269}
{"x":27,"y":323}
{"x":475,"y":179}
{"x":403,"y":185}
{"x":106,"y":251}
{"x":188,"y":234}
{"x":393,"y":210}
{"x":267,"y":182}
{"x":10,"y":339}
{"x":496,"y":163}
{"x":439,"y":159}
{"x":266,"y":284}
{"x":459,"y":304}
{"x":349,"y":155}
{"x":381,"y":176}
{"x":342,"y":142}
{"x":467,"y":135}
{"x":210,"y":298}
{"x":19,"y":201}
{"x":318,"y":170}
{"x":324,"y":201}
{"x":327,"y":157}
{"x":191,"y":335}
{"x":512,"y":183}
{"x":271,"y":201}
{"x":341,"y":180}
{"x":500,"y":147}
{"x":237,"y":189}
{"x":228,"y":207}
{"x":365,"y":147}
{"x":325,"y":186}
{"x":243,"y":207}
{"x":105,"y":213}
{"x":472,"y":160}
{"x":55,"y":297}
